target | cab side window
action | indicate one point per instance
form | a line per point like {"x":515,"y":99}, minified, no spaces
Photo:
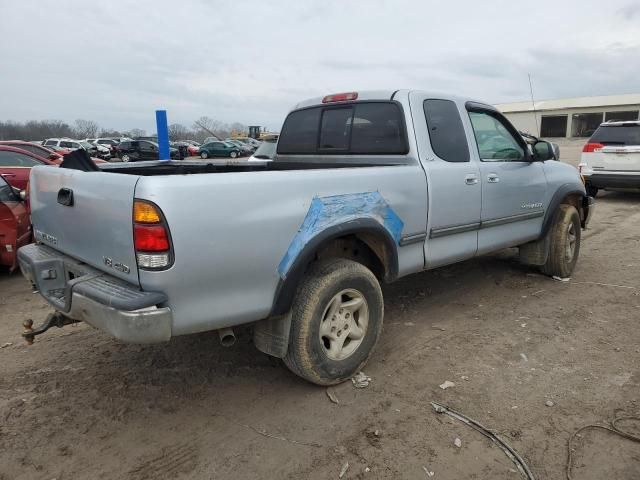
{"x":495,"y":142}
{"x":446,"y":132}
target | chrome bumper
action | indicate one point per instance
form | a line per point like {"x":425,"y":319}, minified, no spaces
{"x":149,"y":325}
{"x":84,"y":293}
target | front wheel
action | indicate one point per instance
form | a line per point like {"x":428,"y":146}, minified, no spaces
{"x":125,"y":158}
{"x":336,"y":320}
{"x":204,"y":155}
{"x":564,"y":242}
{"x":233,"y":154}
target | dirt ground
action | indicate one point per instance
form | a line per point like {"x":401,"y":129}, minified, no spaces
{"x":78,"y":405}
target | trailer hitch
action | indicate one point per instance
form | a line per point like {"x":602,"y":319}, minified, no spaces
{"x":53,"y":320}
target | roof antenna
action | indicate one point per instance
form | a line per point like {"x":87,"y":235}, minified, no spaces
{"x":533,"y":104}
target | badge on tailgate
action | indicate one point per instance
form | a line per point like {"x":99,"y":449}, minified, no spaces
{"x":120,"y":267}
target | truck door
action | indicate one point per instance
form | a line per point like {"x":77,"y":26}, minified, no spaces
{"x":513,"y":186}
{"x":453,"y":178}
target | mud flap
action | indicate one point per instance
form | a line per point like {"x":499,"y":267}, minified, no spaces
{"x":271,"y":336}
{"x":535,"y":253}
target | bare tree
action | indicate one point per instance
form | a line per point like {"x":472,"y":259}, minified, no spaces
{"x":178,"y":131}
{"x":207,"y":124}
{"x":137,"y":132}
{"x":86,"y":128}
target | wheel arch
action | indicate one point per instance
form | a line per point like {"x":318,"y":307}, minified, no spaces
{"x":570,"y":194}
{"x":377,"y":248}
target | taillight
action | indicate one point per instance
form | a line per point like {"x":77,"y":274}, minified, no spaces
{"x":340,"y":97}
{"x":150,"y":236}
{"x":592,"y":147}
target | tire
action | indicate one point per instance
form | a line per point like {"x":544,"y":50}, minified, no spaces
{"x":125,"y":157}
{"x":315,"y":352}
{"x":591,"y":190}
{"x":204,"y":155}
{"x":564,"y":242}
{"x":233,"y":154}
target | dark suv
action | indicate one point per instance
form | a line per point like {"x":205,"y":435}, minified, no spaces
{"x":141,"y":150}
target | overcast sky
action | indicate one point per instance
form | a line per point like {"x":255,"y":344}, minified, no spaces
{"x":117,"y":62}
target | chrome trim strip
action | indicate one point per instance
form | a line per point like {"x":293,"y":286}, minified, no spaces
{"x":513,"y":218}
{"x":412,"y":238}
{"x":441,"y":232}
{"x":468,"y":227}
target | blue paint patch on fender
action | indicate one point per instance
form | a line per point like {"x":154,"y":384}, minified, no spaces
{"x":326,"y":212}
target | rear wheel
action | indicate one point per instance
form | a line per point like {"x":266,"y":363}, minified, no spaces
{"x":125,"y":157}
{"x":336,"y":320}
{"x":564,"y":242}
{"x":204,"y":155}
{"x":233,"y":154}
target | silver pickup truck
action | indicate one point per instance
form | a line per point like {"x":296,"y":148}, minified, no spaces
{"x":365,"y":187}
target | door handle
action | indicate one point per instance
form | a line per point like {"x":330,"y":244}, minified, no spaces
{"x":471,"y":179}
{"x":493,"y":178}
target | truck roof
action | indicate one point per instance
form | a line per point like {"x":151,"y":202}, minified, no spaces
{"x":383,"y":95}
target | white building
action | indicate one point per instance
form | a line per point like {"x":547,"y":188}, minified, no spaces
{"x":570,"y":117}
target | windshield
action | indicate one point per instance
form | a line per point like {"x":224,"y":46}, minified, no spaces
{"x":267,"y":149}
{"x":625,"y":134}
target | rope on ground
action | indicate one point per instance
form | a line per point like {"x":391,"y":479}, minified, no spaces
{"x":506,"y":448}
{"x":612,"y":427}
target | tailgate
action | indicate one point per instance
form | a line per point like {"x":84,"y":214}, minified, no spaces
{"x":620,"y":158}
{"x":86,"y":215}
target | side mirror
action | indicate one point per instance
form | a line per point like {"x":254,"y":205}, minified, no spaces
{"x":23,"y":195}
{"x":543,"y":151}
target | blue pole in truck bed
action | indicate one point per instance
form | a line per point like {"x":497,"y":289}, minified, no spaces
{"x":163,"y":135}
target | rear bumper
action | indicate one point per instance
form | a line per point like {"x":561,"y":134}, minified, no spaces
{"x":86,"y":294}
{"x":613,"y":180}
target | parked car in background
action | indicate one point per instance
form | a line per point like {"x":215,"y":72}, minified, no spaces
{"x":611,"y":157}
{"x":59,"y":150}
{"x":266,"y":151}
{"x":104,"y":151}
{"x":38,"y":150}
{"x":245,"y":150}
{"x":249,"y":141}
{"x":141,"y":150}
{"x":15,"y":225}
{"x":63,"y":143}
{"x":219,"y":149}
{"x":16,"y":164}
{"x":194,"y":150}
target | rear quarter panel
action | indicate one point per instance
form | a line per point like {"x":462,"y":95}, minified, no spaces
{"x":231,"y":231}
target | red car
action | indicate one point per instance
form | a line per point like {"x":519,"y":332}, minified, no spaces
{"x":38,"y":150}
{"x":47,"y":153}
{"x":15,"y":226}
{"x":15,"y":165}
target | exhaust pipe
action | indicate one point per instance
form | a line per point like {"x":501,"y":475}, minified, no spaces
{"x":227,"y":337}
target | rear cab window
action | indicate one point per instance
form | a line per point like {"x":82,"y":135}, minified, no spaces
{"x":623,"y":134}
{"x":360,"y":128}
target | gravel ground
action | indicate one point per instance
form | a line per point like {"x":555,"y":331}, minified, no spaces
{"x":531,"y":358}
